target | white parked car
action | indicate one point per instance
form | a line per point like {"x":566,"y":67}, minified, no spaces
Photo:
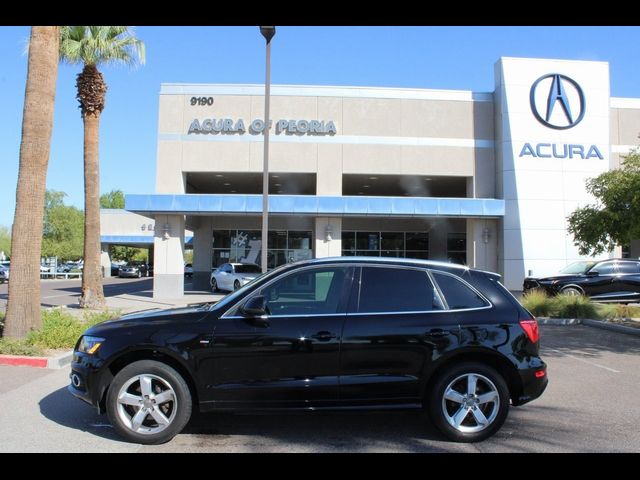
{"x":232,"y":276}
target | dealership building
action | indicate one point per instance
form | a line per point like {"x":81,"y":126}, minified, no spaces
{"x":481,"y":178}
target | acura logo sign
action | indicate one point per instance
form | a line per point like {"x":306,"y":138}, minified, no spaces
{"x":557,"y":101}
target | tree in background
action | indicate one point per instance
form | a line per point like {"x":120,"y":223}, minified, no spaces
{"x":23,"y":307}
{"x":63,"y":231}
{"x":115,"y":199}
{"x":615,"y":219}
{"x":91,"y":46}
{"x":5,"y":240}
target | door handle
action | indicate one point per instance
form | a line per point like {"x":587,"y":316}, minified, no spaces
{"x":437,"y":333}
{"x":323,"y":336}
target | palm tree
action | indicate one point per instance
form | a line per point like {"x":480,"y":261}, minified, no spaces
{"x":93,"y":46}
{"x":23,"y":309}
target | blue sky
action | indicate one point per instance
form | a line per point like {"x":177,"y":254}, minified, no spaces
{"x":459,"y":58}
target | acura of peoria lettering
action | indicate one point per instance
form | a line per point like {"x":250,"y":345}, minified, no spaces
{"x":289,"y":127}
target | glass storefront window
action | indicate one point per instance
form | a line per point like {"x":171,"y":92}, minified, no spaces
{"x":417,"y":241}
{"x":457,"y":248}
{"x":245,"y":246}
{"x":386,"y":244}
{"x":368,"y":240}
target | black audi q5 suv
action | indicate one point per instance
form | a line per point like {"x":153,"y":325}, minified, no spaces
{"x":326,"y":334}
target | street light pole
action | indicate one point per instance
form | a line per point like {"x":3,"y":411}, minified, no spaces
{"x":267,"y":33}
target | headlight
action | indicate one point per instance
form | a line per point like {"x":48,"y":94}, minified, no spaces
{"x":90,"y":345}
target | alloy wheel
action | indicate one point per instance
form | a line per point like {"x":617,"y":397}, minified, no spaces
{"x":147,"y":404}
{"x":470,"y":403}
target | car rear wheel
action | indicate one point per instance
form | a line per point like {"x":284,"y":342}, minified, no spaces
{"x":572,"y":291}
{"x":148,"y":402}
{"x":469,"y":402}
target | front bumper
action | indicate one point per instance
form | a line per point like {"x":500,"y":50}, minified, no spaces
{"x":129,"y":274}
{"x":88,"y":381}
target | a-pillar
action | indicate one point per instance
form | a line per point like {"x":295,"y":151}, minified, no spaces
{"x":482,"y":244}
{"x":328,"y":237}
{"x":168,"y":257}
{"x":202,"y":253}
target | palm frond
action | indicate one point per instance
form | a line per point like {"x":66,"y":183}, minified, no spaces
{"x":95,"y":45}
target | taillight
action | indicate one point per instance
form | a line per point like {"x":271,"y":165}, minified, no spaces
{"x":530,"y":327}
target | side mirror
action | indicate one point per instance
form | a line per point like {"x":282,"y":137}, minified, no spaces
{"x":256,"y":309}
{"x":592,"y":273}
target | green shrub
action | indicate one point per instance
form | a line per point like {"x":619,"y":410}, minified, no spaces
{"x":617,"y":310}
{"x":537,"y":302}
{"x":9,"y":346}
{"x":573,"y":306}
{"x":61,"y":329}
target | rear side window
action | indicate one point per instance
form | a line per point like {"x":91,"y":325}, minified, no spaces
{"x":384,"y":289}
{"x":457,"y":293}
{"x":628,"y":267}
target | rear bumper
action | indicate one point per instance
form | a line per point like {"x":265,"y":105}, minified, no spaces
{"x":533,"y":385}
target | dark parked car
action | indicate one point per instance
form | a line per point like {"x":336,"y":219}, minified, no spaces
{"x":326,"y":334}
{"x":616,"y":280}
{"x":134,"y":269}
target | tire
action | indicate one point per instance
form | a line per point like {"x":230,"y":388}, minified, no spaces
{"x":139,"y":274}
{"x":236,"y":285}
{"x":448,"y":412}
{"x":214,"y":285}
{"x":572,"y":291}
{"x":176,"y":410}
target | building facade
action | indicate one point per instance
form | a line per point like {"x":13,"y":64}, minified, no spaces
{"x":485,"y":179}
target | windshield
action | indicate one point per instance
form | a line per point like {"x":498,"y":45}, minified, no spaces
{"x":248,"y":269}
{"x":577,"y":267}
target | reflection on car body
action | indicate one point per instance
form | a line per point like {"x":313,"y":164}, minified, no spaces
{"x":612,"y":280}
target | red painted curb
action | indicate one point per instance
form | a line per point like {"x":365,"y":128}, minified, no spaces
{"x":19,"y":360}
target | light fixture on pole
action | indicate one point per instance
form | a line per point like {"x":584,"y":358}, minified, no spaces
{"x":267,"y":33}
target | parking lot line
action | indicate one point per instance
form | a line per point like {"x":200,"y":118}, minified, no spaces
{"x":585,"y":361}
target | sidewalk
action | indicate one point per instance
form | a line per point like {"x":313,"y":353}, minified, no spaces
{"x":128,"y":303}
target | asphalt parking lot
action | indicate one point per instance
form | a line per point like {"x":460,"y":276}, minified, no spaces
{"x":589,"y":406}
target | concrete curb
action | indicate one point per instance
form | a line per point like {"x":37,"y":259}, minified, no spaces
{"x":559,"y":321}
{"x":612,"y":327}
{"x":53,"y":363}
{"x":591,"y":323}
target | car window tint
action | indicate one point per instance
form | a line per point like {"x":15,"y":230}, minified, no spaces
{"x":309,"y":292}
{"x":396,"y":290}
{"x":248,"y":268}
{"x":628,"y":267}
{"x":604,"y":268}
{"x":457,"y":294}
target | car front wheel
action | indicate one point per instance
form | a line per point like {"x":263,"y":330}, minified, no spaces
{"x":236,"y":285}
{"x":571,"y":291}
{"x":214,"y":285}
{"x":469,"y":402}
{"x":148,"y":402}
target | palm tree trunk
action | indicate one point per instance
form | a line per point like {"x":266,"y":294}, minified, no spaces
{"x":92,"y":292}
{"x":23,"y":308}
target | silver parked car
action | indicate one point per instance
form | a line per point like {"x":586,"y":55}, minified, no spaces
{"x":232,"y":276}
{"x":4,"y":274}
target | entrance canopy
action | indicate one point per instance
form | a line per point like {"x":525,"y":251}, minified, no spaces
{"x":337,"y":206}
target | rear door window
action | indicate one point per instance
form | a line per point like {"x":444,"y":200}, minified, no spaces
{"x":628,"y":267}
{"x":457,"y":293}
{"x":386,"y":290}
